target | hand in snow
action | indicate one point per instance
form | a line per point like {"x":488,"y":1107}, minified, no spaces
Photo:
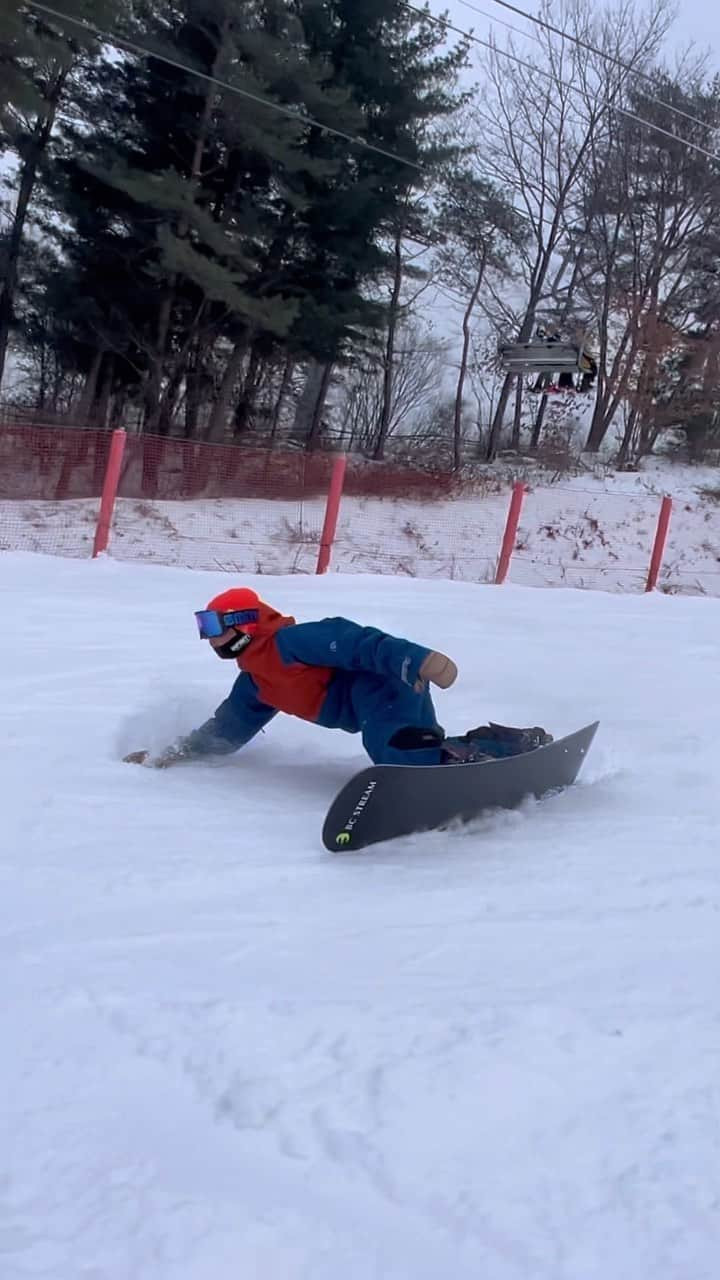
{"x":437,"y":669}
{"x":171,"y":755}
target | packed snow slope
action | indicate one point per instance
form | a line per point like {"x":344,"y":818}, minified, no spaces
{"x":228,"y":1054}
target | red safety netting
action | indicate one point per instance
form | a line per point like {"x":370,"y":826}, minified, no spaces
{"x":591,"y":538}
{"x":258,"y":510}
{"x":457,"y":539}
{"x":51,"y":464}
{"x":574,"y":537}
{"x":203,"y":505}
{"x":262,"y":511}
{"x":691,"y":562}
{"x":206,"y":506}
{"x":50,"y":482}
{"x":57,"y":461}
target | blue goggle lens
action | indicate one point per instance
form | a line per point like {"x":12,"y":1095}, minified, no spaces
{"x":212,"y":624}
{"x":209,"y":624}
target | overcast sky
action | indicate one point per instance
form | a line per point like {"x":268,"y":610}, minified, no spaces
{"x":697,"y":21}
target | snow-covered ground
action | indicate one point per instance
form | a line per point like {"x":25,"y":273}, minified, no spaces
{"x":590,"y":531}
{"x":225,"y":1053}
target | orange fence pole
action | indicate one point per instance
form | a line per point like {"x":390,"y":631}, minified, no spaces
{"x":332,"y":510}
{"x":511,"y":528}
{"x":658,"y":551}
{"x":109,"y":491}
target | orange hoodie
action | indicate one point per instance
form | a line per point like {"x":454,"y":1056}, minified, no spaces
{"x":295,"y":688}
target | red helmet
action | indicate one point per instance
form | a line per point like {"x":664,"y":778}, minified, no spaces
{"x":238,"y":600}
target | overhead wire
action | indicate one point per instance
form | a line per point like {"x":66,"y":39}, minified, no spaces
{"x":357,"y":140}
{"x":587,"y":46}
{"x":299,"y":115}
{"x":530,"y":66}
{"x":133,"y":46}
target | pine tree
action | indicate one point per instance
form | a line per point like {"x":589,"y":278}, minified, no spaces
{"x":386,"y":57}
{"x":39,"y":57}
{"x":211,"y":234}
{"x":199,"y":174}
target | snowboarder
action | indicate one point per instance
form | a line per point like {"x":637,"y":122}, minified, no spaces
{"x":337,"y":674}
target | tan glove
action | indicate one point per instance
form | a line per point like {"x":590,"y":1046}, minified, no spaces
{"x":437,"y":669}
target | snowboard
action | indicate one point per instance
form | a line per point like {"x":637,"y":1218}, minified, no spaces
{"x":390,"y":800}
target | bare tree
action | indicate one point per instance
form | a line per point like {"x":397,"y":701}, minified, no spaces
{"x":419,"y":364}
{"x":653,"y":215}
{"x":413,"y":231}
{"x":480,"y":228}
{"x":540,"y":116}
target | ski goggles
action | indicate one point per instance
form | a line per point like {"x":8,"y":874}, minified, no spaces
{"x":212,"y":624}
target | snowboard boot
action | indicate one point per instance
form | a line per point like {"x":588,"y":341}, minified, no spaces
{"x":413,"y":738}
{"x":493,"y":742}
{"x":458,"y":751}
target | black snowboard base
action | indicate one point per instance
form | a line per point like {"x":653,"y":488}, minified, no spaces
{"x":390,"y":800}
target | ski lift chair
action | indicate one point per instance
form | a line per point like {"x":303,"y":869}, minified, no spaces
{"x":540,"y":357}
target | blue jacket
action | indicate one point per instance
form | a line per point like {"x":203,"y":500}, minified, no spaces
{"x":368,"y":666}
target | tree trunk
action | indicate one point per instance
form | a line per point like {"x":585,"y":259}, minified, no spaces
{"x":44,"y":371}
{"x":389,"y":357}
{"x":36,"y":146}
{"x":101,"y":453}
{"x":157,"y":414}
{"x":316,"y":423}
{"x":305,"y":412}
{"x":197,"y":382}
{"x":76,"y":452}
{"x":462,"y":373}
{"x":117,"y":408}
{"x":153,"y":386}
{"x":598,"y":428}
{"x":246,"y":399}
{"x":496,"y":426}
{"x":517,"y":417}
{"x":287,"y":374}
{"x":539,"y":423}
{"x":169,"y":402}
{"x":646,"y":381}
{"x":193,"y":396}
{"x":217,"y":423}
{"x":614,"y":388}
{"x":58,"y":379}
{"x":624,"y":450}
{"x":152,"y":456}
{"x":89,"y":392}
{"x":102,"y":415}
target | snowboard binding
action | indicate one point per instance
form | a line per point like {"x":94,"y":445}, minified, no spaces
{"x":493,"y":742}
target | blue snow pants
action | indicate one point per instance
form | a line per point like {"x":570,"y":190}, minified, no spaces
{"x":382,"y":707}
